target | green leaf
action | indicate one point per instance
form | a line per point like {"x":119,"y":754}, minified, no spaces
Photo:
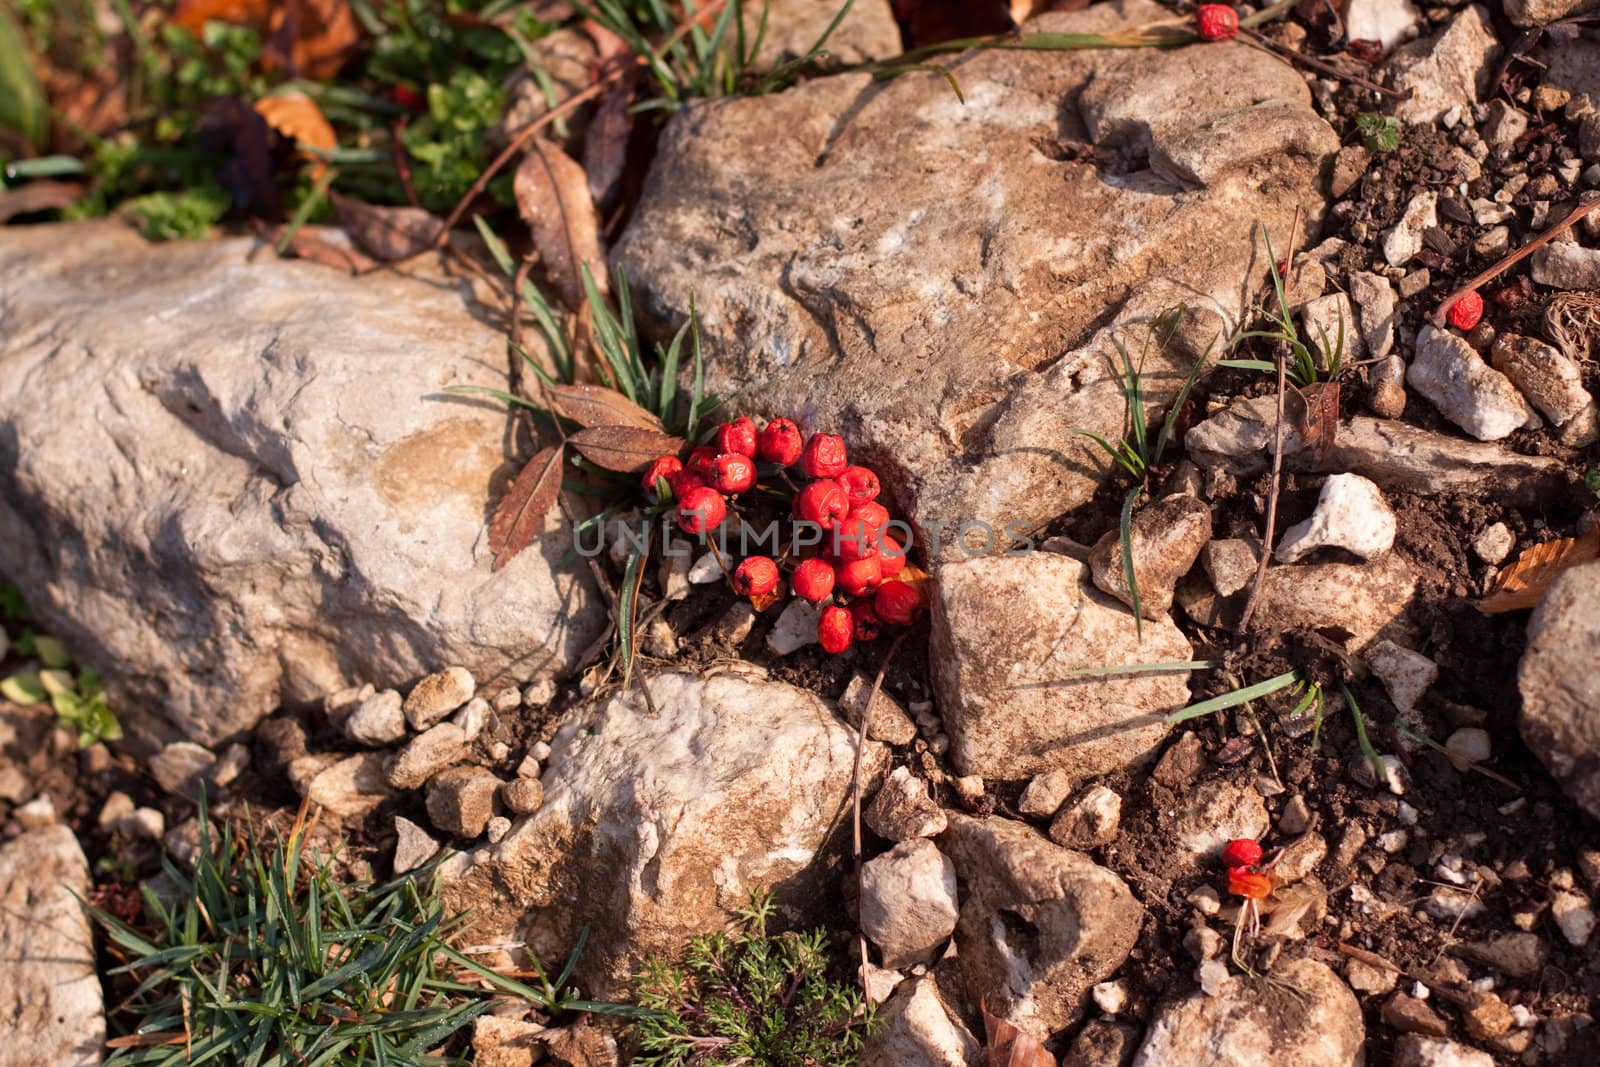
{"x":22,"y":102}
{"x":51,"y":651}
{"x":1591,"y":479}
{"x":1233,"y":699}
{"x":1125,"y":534}
{"x":58,"y":681}
{"x":24,"y":688}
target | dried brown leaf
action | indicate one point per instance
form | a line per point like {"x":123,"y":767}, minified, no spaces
{"x":297,"y":117}
{"x":1010,"y":1047}
{"x":193,"y":15}
{"x":312,"y":38}
{"x":605,"y":147}
{"x":625,"y":448}
{"x":1318,"y":424}
{"x":595,"y":405}
{"x":387,"y":234}
{"x":307,"y":245}
{"x":553,"y":196}
{"x":38,"y":196}
{"x":519,"y":517}
{"x":1522,"y":584}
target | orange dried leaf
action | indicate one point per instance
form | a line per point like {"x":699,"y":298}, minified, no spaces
{"x":1010,"y":1047}
{"x":193,"y":15}
{"x":595,"y":405}
{"x":519,"y":518}
{"x":627,"y":449}
{"x":297,"y":117}
{"x":312,"y":38}
{"x":762,"y":601}
{"x":1522,"y":584}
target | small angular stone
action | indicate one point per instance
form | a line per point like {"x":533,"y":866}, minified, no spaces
{"x":414,"y":846}
{"x":377,"y":720}
{"x":1089,"y":821}
{"x":902,"y":809}
{"x":889,"y":722}
{"x":522,"y":795}
{"x":1045,"y":794}
{"x":1351,"y":514}
{"x":179,"y":767}
{"x":427,"y":753}
{"x":438,"y":695}
{"x":461,"y":800}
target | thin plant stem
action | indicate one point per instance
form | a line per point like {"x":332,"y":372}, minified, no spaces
{"x":1510,"y":260}
{"x":1272,"y":505}
{"x":855,"y":793}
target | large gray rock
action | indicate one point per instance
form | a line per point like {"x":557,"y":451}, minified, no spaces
{"x":1303,"y":1016}
{"x":230,"y":485}
{"x":1008,"y":634}
{"x":944,"y":282}
{"x":661,"y":817}
{"x":1450,"y":69}
{"x":1560,"y":686}
{"x":49,"y":992}
{"x":1039,"y":925}
{"x":867,"y":31}
{"x":1465,"y":389}
{"x":918,"y":1030}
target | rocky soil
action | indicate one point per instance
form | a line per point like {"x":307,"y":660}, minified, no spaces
{"x":238,"y":487}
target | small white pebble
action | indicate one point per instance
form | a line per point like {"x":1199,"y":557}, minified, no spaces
{"x":1419,"y":991}
{"x":1110,"y":997}
{"x":529,"y":767}
{"x":1484,"y":984}
{"x":1206,"y":900}
{"x":540,"y":751}
{"x":1468,"y":745}
{"x":1523,"y":1018}
{"x":1393,"y":841}
{"x":498,"y":828}
{"x":36,"y":813}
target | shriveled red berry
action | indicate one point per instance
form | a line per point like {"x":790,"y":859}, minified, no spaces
{"x":701,"y":461}
{"x":756,"y":576}
{"x":860,"y":485}
{"x":860,"y":577}
{"x":664,"y":467}
{"x":813,"y":580}
{"x":824,"y":456}
{"x":1216,"y":22}
{"x":738,"y":436}
{"x":733,"y":472}
{"x":891,"y":557}
{"x":874,"y":515}
{"x":1243,"y":882}
{"x":701,"y":509}
{"x":898,"y":603}
{"x":1465,"y":313}
{"x":1242,"y":852}
{"x":781,"y":442}
{"x":822,"y":502}
{"x":868,"y":625}
{"x":836,"y":629}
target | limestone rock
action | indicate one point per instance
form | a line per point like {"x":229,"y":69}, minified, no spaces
{"x":498,"y":1041}
{"x":427,"y":753}
{"x":889,"y":722}
{"x":793,"y":27}
{"x":49,"y":990}
{"x":657,"y":824}
{"x":1544,"y":12}
{"x":1405,"y":674}
{"x":1008,"y":632}
{"x":1304,"y":1017}
{"x":1089,"y":821}
{"x":1464,"y":388}
{"x":1403,"y":241}
{"x":461,"y":800}
{"x":352,"y":787}
{"x":414,"y":846}
{"x":1560,"y":686}
{"x":1360,"y":600}
{"x":1215,"y":812}
{"x":1045,"y":794}
{"x":902,"y":809}
{"x":1166,"y":537}
{"x":1040,"y":925}
{"x":1351,"y":514}
{"x":1375,"y":302}
{"x":378,"y":720}
{"x":1449,"y":69}
{"x":180,"y":767}
{"x":1398,"y":457}
{"x":908,"y":902}
{"x":996,"y":274}
{"x":1552,"y":383}
{"x":920,"y":1031}
{"x":233,"y":485}
{"x":1564,"y":265}
{"x":1415,"y":1050}
{"x":438,"y":695}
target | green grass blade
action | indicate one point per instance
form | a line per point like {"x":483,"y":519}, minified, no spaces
{"x":1365,"y":742}
{"x":1234,"y":699}
{"x":1126,"y":536}
{"x":1145,"y":668}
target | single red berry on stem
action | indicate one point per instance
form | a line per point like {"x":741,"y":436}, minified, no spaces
{"x":860,"y":484}
{"x":898,"y":603}
{"x":1465,"y":313}
{"x":836,"y":629}
{"x":1242,"y":852}
{"x":868,"y":625}
{"x":664,"y":467}
{"x":756,"y":576}
{"x":813,"y":580}
{"x":1243,"y":882}
{"x":1216,"y":22}
{"x":700,"y":510}
{"x":860,"y":577}
{"x":737,"y":436}
{"x":822,"y":502}
{"x":781,"y":442}
{"x":824,"y":456}
{"x":733,"y":473}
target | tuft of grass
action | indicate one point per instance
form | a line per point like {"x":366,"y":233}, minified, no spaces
{"x":1135,"y":451}
{"x":1306,"y":362}
{"x":260,"y":957}
{"x":749,"y":997}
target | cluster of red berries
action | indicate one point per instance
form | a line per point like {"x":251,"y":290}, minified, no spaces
{"x":1245,"y":878}
{"x":1216,"y":22}
{"x":861,"y":561}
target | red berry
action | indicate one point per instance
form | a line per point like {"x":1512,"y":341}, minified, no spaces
{"x":813,"y":580}
{"x":780,"y":442}
{"x":700,"y":510}
{"x":737,"y":436}
{"x":891,"y":557}
{"x":701,"y":461}
{"x":868,"y":625}
{"x":860,"y":577}
{"x":665,"y":467}
{"x":407,"y":97}
{"x":860,"y":485}
{"x":822,"y":502}
{"x":756,"y":576}
{"x":874,"y":515}
{"x":733,"y":473}
{"x":854,"y":538}
{"x":1216,"y":22}
{"x":824,"y":456}
{"x":684,"y":481}
{"x":898,"y":603}
{"x":1242,"y":852}
{"x":1465,"y":313}
{"x":1243,"y":882}
{"x":836,"y":629}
